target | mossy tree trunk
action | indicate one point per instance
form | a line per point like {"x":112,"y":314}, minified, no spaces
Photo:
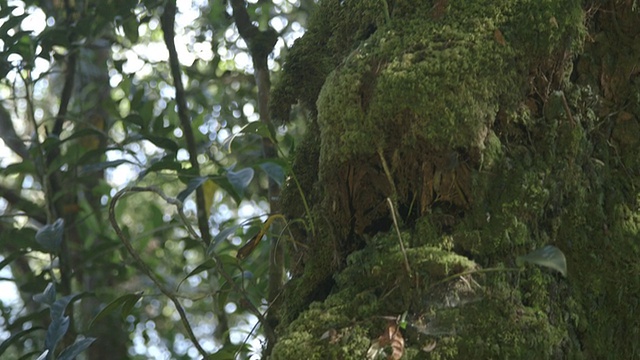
{"x":452,"y":137}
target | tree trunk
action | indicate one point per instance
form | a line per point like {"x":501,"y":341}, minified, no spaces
{"x":450,"y":138}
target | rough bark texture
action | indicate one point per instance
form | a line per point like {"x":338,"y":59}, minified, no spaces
{"x":495,"y":128}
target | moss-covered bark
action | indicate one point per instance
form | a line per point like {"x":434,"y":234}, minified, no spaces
{"x":493,"y":128}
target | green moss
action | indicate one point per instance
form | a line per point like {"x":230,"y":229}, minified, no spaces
{"x":549,"y":163}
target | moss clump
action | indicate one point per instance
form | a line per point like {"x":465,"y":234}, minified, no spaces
{"x":374,"y":284}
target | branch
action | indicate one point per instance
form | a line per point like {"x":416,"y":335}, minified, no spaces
{"x":261,"y":44}
{"x":31,"y":209}
{"x":168,"y":21}
{"x":9,"y":135}
{"x":147,"y":271}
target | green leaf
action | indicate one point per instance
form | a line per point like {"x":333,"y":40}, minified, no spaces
{"x":240,"y":179}
{"x":128,"y":305}
{"x":258,"y":128}
{"x":50,"y":236}
{"x":55,"y":332}
{"x":163,"y":142}
{"x":191,"y":187}
{"x":130,"y":27}
{"x":74,"y":350}
{"x":44,"y":355}
{"x":92,"y":168}
{"x":23,"y":167}
{"x":209,"y":264}
{"x":135,"y":118}
{"x":59,"y":306}
{"x":118,"y":302}
{"x":48,"y":296}
{"x":166,"y":163}
{"x":549,"y":256}
{"x":224,"y":183}
{"x":222,"y":235}
{"x":274,"y":170}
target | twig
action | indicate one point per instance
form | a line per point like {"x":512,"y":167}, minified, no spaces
{"x":168,"y":21}
{"x":145,"y":268}
{"x":395,"y":224}
{"x":147,"y":271}
{"x":567,"y":110}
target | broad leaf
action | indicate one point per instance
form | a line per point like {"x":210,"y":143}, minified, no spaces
{"x":50,"y":236}
{"x":274,"y":170}
{"x":163,"y":142}
{"x":118,"y":302}
{"x":240,"y":179}
{"x":222,"y":235}
{"x":59,"y":306}
{"x":209,"y":264}
{"x":56,"y":331}
{"x":44,"y":355}
{"x":191,"y":187}
{"x":74,"y":350}
{"x":87,"y":169}
{"x":48,"y":296}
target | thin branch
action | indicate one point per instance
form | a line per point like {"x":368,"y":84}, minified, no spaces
{"x":168,"y":22}
{"x":147,"y":271}
{"x":261,"y":44}
{"x":9,"y":135}
{"x":402,"y":249}
{"x":31,"y":209}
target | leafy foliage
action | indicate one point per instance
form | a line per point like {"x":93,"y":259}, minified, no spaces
{"x":89,"y":108}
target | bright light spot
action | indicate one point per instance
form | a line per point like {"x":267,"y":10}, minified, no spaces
{"x":278,"y":23}
{"x":246,"y":209}
{"x":153,"y":52}
{"x":41,"y":66}
{"x":114,"y":80}
{"x":8,"y":289}
{"x":248,"y":109}
{"x":121,"y":175}
{"x":36,"y":21}
{"x":182,"y":155}
{"x":6,"y":155}
{"x":235,"y":241}
{"x":185,"y":57}
{"x":231,"y":35}
{"x":204,"y":51}
{"x":223,"y":134}
{"x":133,"y":63}
{"x":230,"y":308}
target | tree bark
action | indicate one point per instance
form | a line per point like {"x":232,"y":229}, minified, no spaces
{"x":488,"y":129}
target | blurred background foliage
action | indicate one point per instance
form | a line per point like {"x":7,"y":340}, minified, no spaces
{"x":88,"y":108}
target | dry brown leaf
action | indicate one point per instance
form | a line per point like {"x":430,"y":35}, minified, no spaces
{"x":497,"y":34}
{"x":392,"y":337}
